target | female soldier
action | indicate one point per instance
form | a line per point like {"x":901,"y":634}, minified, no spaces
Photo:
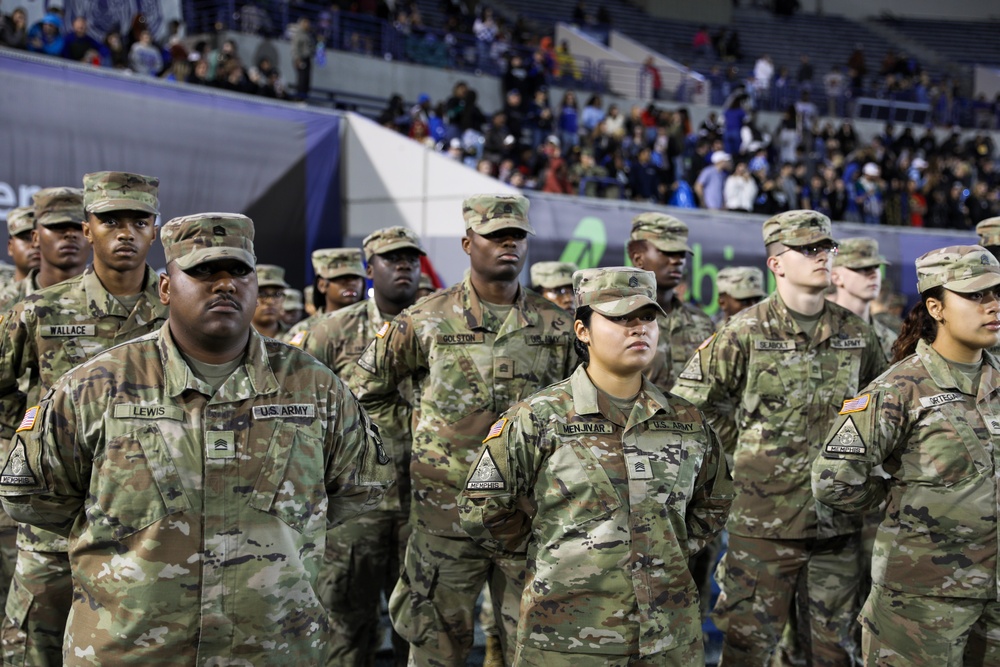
{"x":610,"y":486}
{"x":933,"y":423}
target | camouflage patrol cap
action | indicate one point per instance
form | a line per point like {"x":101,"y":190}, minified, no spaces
{"x":859,"y":253}
{"x":425,"y":282}
{"x":270,"y":275}
{"x":105,"y":191}
{"x":665,"y":232}
{"x":55,"y":206}
{"x":959,"y":268}
{"x":293,"y":299}
{"x":615,"y":291}
{"x":552,"y":274}
{"x":336,"y":262}
{"x":205,"y":237}
{"x":307,"y":295}
{"x":20,"y":220}
{"x":797,"y":228}
{"x":385,"y":240}
{"x":989,"y":232}
{"x":741,"y":282}
{"x":485,"y":214}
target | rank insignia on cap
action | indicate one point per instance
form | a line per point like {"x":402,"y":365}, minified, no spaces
{"x":633,"y":282}
{"x":487,"y":475}
{"x":383,"y":330}
{"x":298,"y":339}
{"x":846,"y":440}
{"x":17,"y":472}
{"x":219,"y":230}
{"x":28,"y":422}
{"x":856,"y":404}
{"x":496,"y":429}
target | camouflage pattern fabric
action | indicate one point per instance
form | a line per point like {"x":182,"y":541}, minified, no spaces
{"x":682,"y":656}
{"x":106,"y":191}
{"x":6,"y":276}
{"x":608,"y":513}
{"x":682,"y":330}
{"x":18,"y":291}
{"x":485,"y":214}
{"x":196,"y":520}
{"x":467,"y":367}
{"x":939,"y":534}
{"x":298,"y":334}
{"x":886,"y":337}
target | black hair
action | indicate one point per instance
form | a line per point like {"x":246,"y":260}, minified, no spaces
{"x":918,"y":325}
{"x":583,"y":314}
{"x":318,"y":296}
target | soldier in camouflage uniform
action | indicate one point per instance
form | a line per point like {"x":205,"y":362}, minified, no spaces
{"x":340,"y":279}
{"x":857,"y":279}
{"x":194,"y":472}
{"x":554,"y":281}
{"x":364,"y":556}
{"x":989,"y":237}
{"x":768,"y":381}
{"x":933,"y":423}
{"x":739,"y":288}
{"x":658,"y":243}
{"x":58,"y":234}
{"x":471,"y":351}
{"x":292,"y":307}
{"x":425,"y":287}
{"x":610,"y":486}
{"x":44,"y":336}
{"x":21,"y":248}
{"x":271,"y":287}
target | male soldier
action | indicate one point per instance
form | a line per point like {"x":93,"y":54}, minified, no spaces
{"x":426,"y":286}
{"x":471,"y":351}
{"x":554,"y":281}
{"x":21,"y":248}
{"x":47,"y":334}
{"x":659,"y":244}
{"x":771,"y":382}
{"x":340,"y":282}
{"x":739,"y":288}
{"x":292,"y":307}
{"x":194,"y":472}
{"x":58,"y":234}
{"x":857,"y":279}
{"x":364,"y":556}
{"x":989,"y":234}
{"x":270,"y":298}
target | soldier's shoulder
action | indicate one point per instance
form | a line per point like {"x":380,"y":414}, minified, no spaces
{"x":52,"y":294}
{"x":846,"y":319}
{"x":548,"y":310}
{"x":287,"y":360}
{"x":336,"y":323}
{"x":696,"y":313}
{"x":118,"y":359}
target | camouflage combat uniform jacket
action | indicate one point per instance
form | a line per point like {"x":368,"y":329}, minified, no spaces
{"x":771,"y":395}
{"x":681,"y":331}
{"x":467,"y":367}
{"x":19,"y":290}
{"x":611,"y":513}
{"x":196,"y":522}
{"x":936,"y":436}
{"x":886,"y":337}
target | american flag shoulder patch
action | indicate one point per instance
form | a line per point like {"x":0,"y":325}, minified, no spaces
{"x":28,"y":422}
{"x":706,"y":342}
{"x":297,"y":339}
{"x":856,"y":404}
{"x":383,"y":330}
{"x":496,"y":429}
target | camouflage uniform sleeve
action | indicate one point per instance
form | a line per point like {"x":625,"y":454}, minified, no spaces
{"x":874,"y":362}
{"x":713,"y":496}
{"x":496,"y":504}
{"x":865,"y":432}
{"x":359,"y":471}
{"x":713,"y":381}
{"x":14,"y":359}
{"x":46,"y":469}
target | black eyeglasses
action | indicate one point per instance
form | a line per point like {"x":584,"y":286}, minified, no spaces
{"x":812,"y":250}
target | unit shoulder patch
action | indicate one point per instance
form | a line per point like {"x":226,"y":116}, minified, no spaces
{"x":693,"y":369}
{"x":17,"y":472}
{"x":846,"y":440}
{"x":486,"y":475}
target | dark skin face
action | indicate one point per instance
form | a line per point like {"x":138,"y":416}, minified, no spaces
{"x":267,"y":314}
{"x":498,"y":256}
{"x":561,"y":296}
{"x":23,"y":252}
{"x":63,"y":246}
{"x":729,"y":305}
{"x":342,"y":291}
{"x":211,"y":308}
{"x":121,"y":240}
{"x":668,"y":267}
{"x":395,"y":276}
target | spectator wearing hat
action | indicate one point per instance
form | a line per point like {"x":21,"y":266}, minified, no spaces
{"x":869,"y":195}
{"x":192,"y":474}
{"x":271,"y":288}
{"x":711,"y":182}
{"x":48,"y":333}
{"x":554,"y":281}
{"x":739,"y":287}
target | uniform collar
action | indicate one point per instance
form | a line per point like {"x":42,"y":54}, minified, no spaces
{"x":585,"y":399}
{"x":478,"y":319}
{"x":103,"y":304}
{"x":375,"y":317}
{"x":253,"y":378}
{"x":942,"y":375}
{"x":824,"y":326}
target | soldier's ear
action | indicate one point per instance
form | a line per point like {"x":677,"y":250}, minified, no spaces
{"x":580,"y":329}
{"x":164,"y":289}
{"x":466,"y":244}
{"x":774,"y":264}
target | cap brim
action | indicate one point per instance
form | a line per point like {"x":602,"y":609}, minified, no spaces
{"x":17,"y":231}
{"x":503,"y":223}
{"x":865,"y":264}
{"x":205,"y":255}
{"x":669,"y":246}
{"x":400,"y":245}
{"x":273,"y":283}
{"x":813,"y":238}
{"x":968,"y":285}
{"x":338,"y":273}
{"x":746,"y":295}
{"x":106,"y":205}
{"x":630,"y":304}
{"x":58,"y":219}
{"x":556,"y":284}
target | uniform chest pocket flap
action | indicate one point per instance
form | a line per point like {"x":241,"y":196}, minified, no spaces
{"x":136,"y":483}
{"x":291,"y":485}
{"x":580,"y":489}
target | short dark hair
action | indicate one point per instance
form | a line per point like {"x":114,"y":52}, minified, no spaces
{"x":583,"y":314}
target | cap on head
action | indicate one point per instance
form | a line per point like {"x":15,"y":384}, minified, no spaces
{"x":859,"y":253}
{"x":665,"y":232}
{"x":206,"y":237}
{"x":988,"y":230}
{"x":293,"y":300}
{"x":385,"y":240}
{"x":959,"y":268}
{"x":485,"y":214}
{"x":336,"y":262}
{"x":870,"y":169}
{"x":271,"y":275}
{"x":105,"y":191}
{"x":550,"y":275}
{"x":741,"y":282}
{"x":55,"y":206}
{"x":719,"y":157}
{"x":615,"y":291}
{"x":797,"y":228}
{"x":20,"y":220}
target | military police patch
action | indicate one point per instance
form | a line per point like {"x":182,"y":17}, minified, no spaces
{"x":17,"y":472}
{"x":846,"y":440}
{"x":486,"y":475}
{"x":298,"y":338}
